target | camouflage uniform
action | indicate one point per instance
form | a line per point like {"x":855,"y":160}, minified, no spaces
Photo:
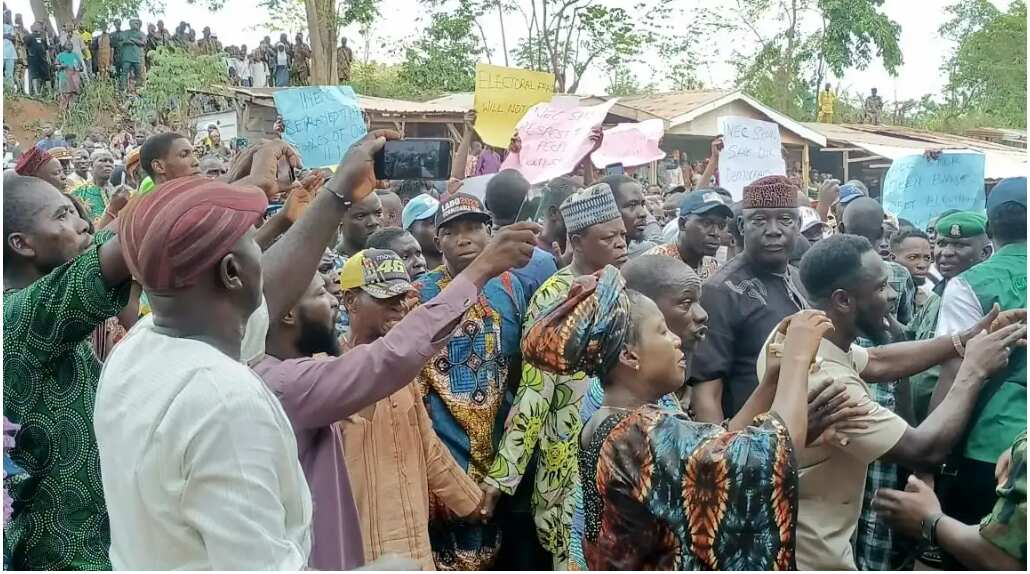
{"x":1005,"y":526}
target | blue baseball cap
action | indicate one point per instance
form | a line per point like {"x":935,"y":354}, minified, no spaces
{"x":1009,"y":189}
{"x":704,"y":201}
{"x":850,"y":192}
{"x":420,"y":207}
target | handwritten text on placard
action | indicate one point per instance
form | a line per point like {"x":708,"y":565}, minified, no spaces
{"x":322,"y":122}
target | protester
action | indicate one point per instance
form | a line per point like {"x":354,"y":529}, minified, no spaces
{"x":60,"y":283}
{"x":168,"y":156}
{"x":703,"y":216}
{"x":547,"y":405}
{"x":97,"y":193}
{"x":966,"y":484}
{"x":392,"y":208}
{"x":39,"y":163}
{"x":394,"y":457}
{"x":629,"y":195}
{"x":997,"y":542}
{"x":466,"y":383}
{"x":622,"y":338}
{"x":419,"y":218}
{"x":212,"y":166}
{"x":845,"y":278}
{"x":554,"y":237}
{"x":910,"y":247}
{"x":746,"y":299}
{"x":404,"y":245}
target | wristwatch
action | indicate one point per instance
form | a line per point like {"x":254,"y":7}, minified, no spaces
{"x":928,"y":528}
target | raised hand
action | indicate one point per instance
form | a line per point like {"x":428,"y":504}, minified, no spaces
{"x":355,"y":177}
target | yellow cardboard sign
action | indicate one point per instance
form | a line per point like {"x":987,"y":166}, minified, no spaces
{"x":503,"y":95}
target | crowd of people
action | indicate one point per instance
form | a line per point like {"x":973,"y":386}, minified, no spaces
{"x":231,"y":362}
{"x":39,"y":60}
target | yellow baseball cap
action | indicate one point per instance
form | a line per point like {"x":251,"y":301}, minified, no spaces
{"x":378,"y":272}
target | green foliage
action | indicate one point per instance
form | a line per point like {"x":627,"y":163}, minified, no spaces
{"x":852,"y":29}
{"x":172,"y":73}
{"x":381,"y":81}
{"x":99,"y":97}
{"x":987,"y":71}
{"x":99,"y":12}
{"x":444,"y":58}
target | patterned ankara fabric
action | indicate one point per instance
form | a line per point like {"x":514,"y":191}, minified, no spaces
{"x":708,"y":267}
{"x":593,"y":401}
{"x":50,"y":383}
{"x":467,"y":397}
{"x":672,"y":494}
{"x":545,"y":416}
{"x":95,"y":197}
{"x":1005,"y":526}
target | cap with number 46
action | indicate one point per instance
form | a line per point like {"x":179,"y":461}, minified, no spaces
{"x":378,"y":272}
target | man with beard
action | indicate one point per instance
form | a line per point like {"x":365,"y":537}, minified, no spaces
{"x":319,"y":391}
{"x":168,"y":156}
{"x":60,"y":284}
{"x":746,"y":299}
{"x":966,"y":483}
{"x":962,"y":243}
{"x":702,"y":221}
{"x":467,"y":384}
{"x":418,"y":218}
{"x":394,"y":458}
{"x":404,"y":245}
{"x":874,"y":542}
{"x":546,"y":414}
{"x":845,"y":278}
{"x":629,"y":195}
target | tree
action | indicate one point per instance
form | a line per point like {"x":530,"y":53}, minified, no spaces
{"x":987,"y":70}
{"x":787,"y":68}
{"x":173,"y":72}
{"x":90,"y":12}
{"x":567,"y":37}
{"x":444,"y":57}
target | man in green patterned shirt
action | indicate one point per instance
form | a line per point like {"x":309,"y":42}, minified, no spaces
{"x":546,"y":408}
{"x":997,"y":543}
{"x":60,"y":283}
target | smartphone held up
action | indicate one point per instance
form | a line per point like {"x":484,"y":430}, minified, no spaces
{"x":414,"y":158}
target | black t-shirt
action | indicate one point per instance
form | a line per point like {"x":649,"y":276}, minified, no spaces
{"x":743,"y":308}
{"x":36,"y":49}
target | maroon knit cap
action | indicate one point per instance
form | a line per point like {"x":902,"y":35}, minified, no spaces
{"x":173,"y":235}
{"x":32,"y":161}
{"x":771,"y":191}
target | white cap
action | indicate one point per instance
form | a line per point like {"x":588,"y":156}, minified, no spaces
{"x":809,"y":218}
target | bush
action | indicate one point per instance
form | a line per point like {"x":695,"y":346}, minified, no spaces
{"x":172,"y":73}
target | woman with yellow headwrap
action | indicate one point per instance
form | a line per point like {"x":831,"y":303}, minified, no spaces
{"x":662,"y":491}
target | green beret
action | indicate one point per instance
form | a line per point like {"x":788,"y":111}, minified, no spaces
{"x":962,"y":224}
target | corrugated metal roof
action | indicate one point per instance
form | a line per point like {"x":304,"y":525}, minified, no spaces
{"x":672,"y":104}
{"x":369,"y":103}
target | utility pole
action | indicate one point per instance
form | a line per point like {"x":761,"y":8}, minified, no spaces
{"x":504,"y":41}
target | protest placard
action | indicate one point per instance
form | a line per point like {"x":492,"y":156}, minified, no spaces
{"x":918,"y":188}
{"x":503,"y":95}
{"x":320,"y":121}
{"x":751,"y":150}
{"x":630,"y":144}
{"x":555,"y":139}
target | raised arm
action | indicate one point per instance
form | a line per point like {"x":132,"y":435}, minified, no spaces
{"x":461,"y":155}
{"x":713,"y":163}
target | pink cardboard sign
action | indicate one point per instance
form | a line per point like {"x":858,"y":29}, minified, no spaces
{"x":630,"y":144}
{"x":555,"y":138}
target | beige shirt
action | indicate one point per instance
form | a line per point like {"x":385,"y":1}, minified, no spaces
{"x":832,"y":478}
{"x":395,"y":461}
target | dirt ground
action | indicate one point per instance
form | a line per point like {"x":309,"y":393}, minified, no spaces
{"x":25,"y":117}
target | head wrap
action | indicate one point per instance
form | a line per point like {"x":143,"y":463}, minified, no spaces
{"x":173,"y":235}
{"x":589,"y":206}
{"x":585,"y":331}
{"x":770,"y":192}
{"x":132,"y":160}
{"x":962,"y":224}
{"x":32,"y":161}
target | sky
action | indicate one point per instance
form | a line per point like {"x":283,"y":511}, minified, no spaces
{"x":923,"y":48}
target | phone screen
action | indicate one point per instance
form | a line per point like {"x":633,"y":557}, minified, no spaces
{"x":414,"y":159}
{"x":615,"y":169}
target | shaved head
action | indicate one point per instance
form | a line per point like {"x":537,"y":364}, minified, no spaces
{"x":864,"y":217}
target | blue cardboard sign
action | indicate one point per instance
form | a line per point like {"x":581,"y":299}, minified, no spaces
{"x":320,"y":121}
{"x":917,"y":188}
